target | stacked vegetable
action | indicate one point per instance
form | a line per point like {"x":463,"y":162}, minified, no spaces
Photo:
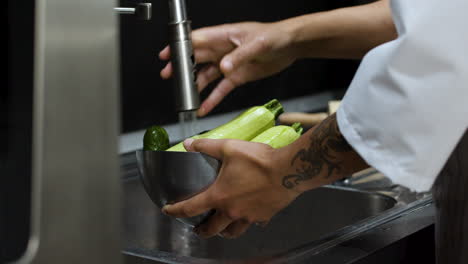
{"x":256,"y":124}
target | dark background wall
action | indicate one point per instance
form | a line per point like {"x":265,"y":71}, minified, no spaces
{"x":147,"y":99}
{"x":16,"y":100}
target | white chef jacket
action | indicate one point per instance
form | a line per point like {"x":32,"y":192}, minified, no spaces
{"x":407,"y":106}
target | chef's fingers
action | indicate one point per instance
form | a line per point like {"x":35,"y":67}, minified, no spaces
{"x":206,"y":56}
{"x":166,"y":72}
{"x":236,"y":229}
{"x":212,"y":147}
{"x":202,"y":43}
{"x":201,"y":56}
{"x":206,"y":37}
{"x":219,"y":92}
{"x":243,"y":54}
{"x":165,"y":54}
{"x":207,"y":75}
{"x":214,"y":225}
{"x":194,"y":206}
{"x":209,"y":36}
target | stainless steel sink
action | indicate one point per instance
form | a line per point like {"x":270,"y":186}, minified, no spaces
{"x":151,"y":235}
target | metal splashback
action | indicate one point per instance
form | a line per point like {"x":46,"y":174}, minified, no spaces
{"x":75,"y":214}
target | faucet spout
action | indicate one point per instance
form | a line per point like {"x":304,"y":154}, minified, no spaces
{"x":182,"y":58}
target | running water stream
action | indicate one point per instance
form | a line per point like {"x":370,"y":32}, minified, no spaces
{"x":188,"y":124}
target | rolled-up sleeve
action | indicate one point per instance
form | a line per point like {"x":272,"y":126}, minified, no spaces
{"x":407,"y":106}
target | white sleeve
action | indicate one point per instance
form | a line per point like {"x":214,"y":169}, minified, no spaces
{"x":407,"y":107}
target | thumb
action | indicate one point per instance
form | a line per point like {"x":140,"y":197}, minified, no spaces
{"x":212,"y":147}
{"x":194,"y":206}
{"x":243,"y":54}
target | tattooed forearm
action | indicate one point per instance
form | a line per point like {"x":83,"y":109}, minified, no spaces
{"x":320,"y":157}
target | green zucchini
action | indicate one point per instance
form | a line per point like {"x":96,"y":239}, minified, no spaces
{"x":280,"y":136}
{"x":155,"y":138}
{"x":246,"y":126}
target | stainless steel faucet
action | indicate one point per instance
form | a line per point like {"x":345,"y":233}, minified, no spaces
{"x":141,"y":11}
{"x":182,"y":58}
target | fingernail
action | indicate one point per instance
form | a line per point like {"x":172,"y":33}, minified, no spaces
{"x":165,"y":208}
{"x":201,"y":111}
{"x":227,"y":65}
{"x":188,"y":143}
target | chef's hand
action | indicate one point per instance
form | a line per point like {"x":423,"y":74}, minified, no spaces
{"x":248,"y":188}
{"x":239,"y":53}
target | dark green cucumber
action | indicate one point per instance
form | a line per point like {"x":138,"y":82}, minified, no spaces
{"x":156,"y":139}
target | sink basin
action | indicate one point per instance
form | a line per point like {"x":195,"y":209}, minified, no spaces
{"x":147,"y":232}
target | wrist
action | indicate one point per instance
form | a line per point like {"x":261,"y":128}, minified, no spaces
{"x":289,"y":34}
{"x":281,"y":163}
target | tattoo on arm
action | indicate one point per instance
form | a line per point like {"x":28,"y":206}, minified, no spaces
{"x":325,"y":141}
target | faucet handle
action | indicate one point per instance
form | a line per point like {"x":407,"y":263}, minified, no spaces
{"x":142,"y":11}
